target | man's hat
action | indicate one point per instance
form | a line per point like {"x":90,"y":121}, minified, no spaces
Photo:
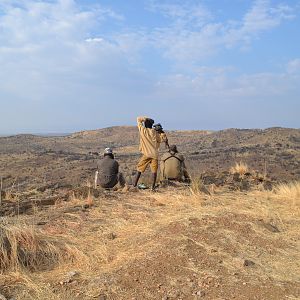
{"x":158,"y":126}
{"x":173,"y":148}
{"x":108,"y":151}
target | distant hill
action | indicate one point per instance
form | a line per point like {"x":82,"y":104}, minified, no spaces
{"x":125,"y":139}
{"x":33,"y":159}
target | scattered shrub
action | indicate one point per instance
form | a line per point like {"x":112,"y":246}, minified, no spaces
{"x":239,"y":168}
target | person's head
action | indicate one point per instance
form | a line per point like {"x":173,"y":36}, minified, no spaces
{"x":149,"y":123}
{"x":108,"y":152}
{"x":158,"y":128}
{"x":173,"y":148}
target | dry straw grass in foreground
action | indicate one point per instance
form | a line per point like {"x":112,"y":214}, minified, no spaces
{"x":23,"y":246}
{"x":289,"y":190}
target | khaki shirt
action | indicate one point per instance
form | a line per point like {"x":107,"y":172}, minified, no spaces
{"x":150,"y":139}
{"x":172,"y":166}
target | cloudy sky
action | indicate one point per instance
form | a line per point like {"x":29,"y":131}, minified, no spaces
{"x":69,"y":65}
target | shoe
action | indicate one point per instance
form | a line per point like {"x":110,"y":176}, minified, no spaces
{"x":142,"y":186}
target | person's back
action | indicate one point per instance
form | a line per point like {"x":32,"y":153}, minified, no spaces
{"x":108,"y":169}
{"x":172,"y":166}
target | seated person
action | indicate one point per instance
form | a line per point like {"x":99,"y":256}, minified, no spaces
{"x":107,"y":174}
{"x":172,"y":166}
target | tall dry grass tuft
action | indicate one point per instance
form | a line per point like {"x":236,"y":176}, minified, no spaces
{"x":289,"y":190}
{"x":23,"y":246}
{"x":197,"y":187}
{"x":240,"y":168}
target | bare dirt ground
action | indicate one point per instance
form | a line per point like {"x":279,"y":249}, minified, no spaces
{"x":172,"y":244}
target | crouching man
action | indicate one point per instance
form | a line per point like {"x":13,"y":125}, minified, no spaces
{"x":107,"y":174}
{"x":172,"y":166}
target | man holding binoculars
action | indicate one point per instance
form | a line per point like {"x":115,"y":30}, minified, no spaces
{"x":151,"y":136}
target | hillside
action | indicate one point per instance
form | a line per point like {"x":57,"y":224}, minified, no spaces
{"x":28,"y":160}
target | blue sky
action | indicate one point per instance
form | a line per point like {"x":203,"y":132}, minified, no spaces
{"x":70,"y":65}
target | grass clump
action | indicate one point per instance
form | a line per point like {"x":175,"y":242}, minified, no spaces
{"x":289,"y":190}
{"x":197,"y":186}
{"x":23,"y":246}
{"x":240,"y":168}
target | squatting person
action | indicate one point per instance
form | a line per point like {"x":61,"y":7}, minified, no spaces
{"x":107,"y":174}
{"x":172,"y":166}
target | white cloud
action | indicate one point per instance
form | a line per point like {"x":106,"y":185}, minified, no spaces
{"x":224,"y":84}
{"x":184,"y":42}
{"x":293,"y":66}
{"x":56,"y":61}
{"x":182,"y":13}
{"x":260,"y":18}
{"x":94,"y":40}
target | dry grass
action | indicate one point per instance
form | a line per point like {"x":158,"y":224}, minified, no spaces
{"x":141,"y":221}
{"x":240,"y":168}
{"x":23,"y":246}
{"x":197,"y":187}
{"x":289,"y":190}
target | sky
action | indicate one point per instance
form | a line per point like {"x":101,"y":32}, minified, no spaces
{"x":69,"y":65}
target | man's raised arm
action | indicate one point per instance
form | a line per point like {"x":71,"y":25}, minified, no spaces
{"x":140,"y":121}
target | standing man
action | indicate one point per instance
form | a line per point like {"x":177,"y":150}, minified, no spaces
{"x":172,"y":166}
{"x":107,"y":174}
{"x":150,"y":140}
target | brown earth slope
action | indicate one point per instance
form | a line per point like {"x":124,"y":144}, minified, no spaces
{"x":168,"y":245}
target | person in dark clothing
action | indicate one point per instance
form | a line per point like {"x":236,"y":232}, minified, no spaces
{"x":107,"y":174}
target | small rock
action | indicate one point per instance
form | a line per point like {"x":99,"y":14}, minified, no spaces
{"x":102,"y":297}
{"x":2,"y":297}
{"x":72,"y":274}
{"x":112,"y":236}
{"x":200,"y":293}
{"x":69,"y":277}
{"x":41,"y":223}
{"x":268,"y":186}
{"x":236,"y":177}
{"x":248,"y":263}
{"x":271,"y":228}
{"x":86,"y":206}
